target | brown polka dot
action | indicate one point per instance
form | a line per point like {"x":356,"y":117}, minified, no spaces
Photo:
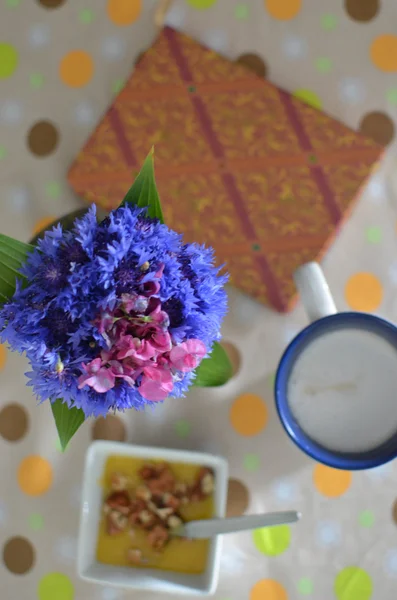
{"x":378,"y":126}
{"x":233,"y":354}
{"x":14,"y":422}
{"x":254,"y":63}
{"x":43,"y":138}
{"x":109,"y":428}
{"x":362,"y":10}
{"x":51,"y":3}
{"x":394,"y":511}
{"x":237,"y":498}
{"x":18,"y":555}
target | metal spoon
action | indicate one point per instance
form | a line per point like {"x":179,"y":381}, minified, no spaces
{"x":209,"y":527}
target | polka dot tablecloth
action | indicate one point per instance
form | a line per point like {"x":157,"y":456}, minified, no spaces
{"x":61,"y":62}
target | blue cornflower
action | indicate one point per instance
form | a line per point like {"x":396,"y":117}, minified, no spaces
{"x":115,"y":315}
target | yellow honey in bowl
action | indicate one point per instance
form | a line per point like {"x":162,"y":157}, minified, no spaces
{"x":181,"y":555}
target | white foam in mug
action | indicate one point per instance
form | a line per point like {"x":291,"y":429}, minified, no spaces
{"x":336,"y":383}
{"x":342,"y":390}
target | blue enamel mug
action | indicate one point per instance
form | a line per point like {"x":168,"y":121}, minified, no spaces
{"x":349,"y":424}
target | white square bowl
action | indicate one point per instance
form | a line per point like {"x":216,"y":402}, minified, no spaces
{"x":91,"y":506}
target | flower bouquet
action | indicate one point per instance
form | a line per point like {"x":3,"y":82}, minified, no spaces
{"x":115,"y":313}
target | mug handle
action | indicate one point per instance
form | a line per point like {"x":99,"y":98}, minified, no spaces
{"x":314,"y":291}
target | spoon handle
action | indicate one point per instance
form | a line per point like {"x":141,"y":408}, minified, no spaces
{"x":210,"y":527}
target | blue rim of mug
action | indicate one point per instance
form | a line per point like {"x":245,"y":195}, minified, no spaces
{"x":343,"y":460}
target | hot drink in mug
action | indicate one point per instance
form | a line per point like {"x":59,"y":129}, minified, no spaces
{"x":336,"y":384}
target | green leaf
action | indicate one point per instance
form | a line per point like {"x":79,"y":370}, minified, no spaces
{"x":67,"y":421}
{"x":215,"y":370}
{"x":143,"y":191}
{"x":13,"y":254}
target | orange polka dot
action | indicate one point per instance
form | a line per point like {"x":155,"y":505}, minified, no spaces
{"x":268,"y":589}
{"x":248,"y":414}
{"x":124,"y":12}
{"x":34,"y":475}
{"x":76,"y":68}
{"x":283,"y":9}
{"x":42,"y":224}
{"x":384,"y":52}
{"x":331,"y":482}
{"x":363,"y":292}
{"x":3,"y":355}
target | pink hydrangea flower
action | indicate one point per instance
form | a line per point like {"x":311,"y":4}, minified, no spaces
{"x":129,"y":346}
{"x":156,"y":384}
{"x":98,"y":377}
{"x":140,"y":349}
{"x":187,"y":355}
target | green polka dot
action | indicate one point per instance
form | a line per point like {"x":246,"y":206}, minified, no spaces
{"x":3,"y":152}
{"x":309,"y":97}
{"x":8,"y":60}
{"x":13,"y":3}
{"x":272,"y":541}
{"x":201,"y":4}
{"x":182,"y":428}
{"x":353,"y":583}
{"x":366,"y":518}
{"x":329,"y":22}
{"x":55,"y":586}
{"x":86,"y":16}
{"x":392,"y":96}
{"x":118,"y":86}
{"x":252,"y":462}
{"x":373,"y":235}
{"x":305,"y":586}
{"x":36,"y":80}
{"x":241,"y":12}
{"x":53,"y":189}
{"x":323,"y":64}
{"x":36,"y":522}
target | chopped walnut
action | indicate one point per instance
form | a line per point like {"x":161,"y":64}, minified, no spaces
{"x":147,"y":519}
{"x":164,"y":482}
{"x":152,"y":506}
{"x":134,"y":556}
{"x":110,"y":528}
{"x":164,"y":513}
{"x":116,"y":522}
{"x":180,"y":489}
{"x":171,"y":500}
{"x":207,"y":484}
{"x":204,"y":485}
{"x":119,"y":501}
{"x":167,"y":479}
{"x":158,"y":537}
{"x":136,"y":507}
{"x":143,"y":493}
{"x":174,"y":521}
{"x":119,"y":482}
{"x":148,"y":472}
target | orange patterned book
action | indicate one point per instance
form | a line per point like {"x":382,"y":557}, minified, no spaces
{"x":240,"y":164}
